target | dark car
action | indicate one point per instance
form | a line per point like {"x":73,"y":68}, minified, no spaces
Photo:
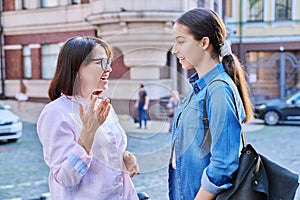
{"x":275,"y":111}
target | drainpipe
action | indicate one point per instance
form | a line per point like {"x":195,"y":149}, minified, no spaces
{"x":2,"y":65}
{"x":241,"y":31}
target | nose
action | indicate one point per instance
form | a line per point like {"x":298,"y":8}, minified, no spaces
{"x":174,"y":50}
{"x":108,"y":69}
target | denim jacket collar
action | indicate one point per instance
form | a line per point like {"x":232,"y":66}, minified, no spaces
{"x":199,"y":83}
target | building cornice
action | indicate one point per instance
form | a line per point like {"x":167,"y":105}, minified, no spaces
{"x":132,"y":16}
{"x":13,"y":47}
{"x":47,"y":28}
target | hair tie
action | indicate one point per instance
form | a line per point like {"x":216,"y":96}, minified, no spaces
{"x":225,"y":49}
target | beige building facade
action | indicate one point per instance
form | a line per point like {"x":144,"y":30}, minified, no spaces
{"x":140,"y":31}
{"x":266,"y":36}
{"x":263,"y":34}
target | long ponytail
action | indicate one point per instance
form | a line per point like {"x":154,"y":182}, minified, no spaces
{"x":235,"y":70}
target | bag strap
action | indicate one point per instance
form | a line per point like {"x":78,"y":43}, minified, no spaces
{"x":177,"y":121}
{"x":189,"y":100}
{"x":205,"y":116}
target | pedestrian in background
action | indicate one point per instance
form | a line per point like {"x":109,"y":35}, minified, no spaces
{"x":203,"y":165}
{"x":172,"y":107}
{"x":83,"y":142}
{"x":21,"y":96}
{"x":142,"y":105}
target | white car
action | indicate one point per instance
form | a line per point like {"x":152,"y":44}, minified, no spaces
{"x":10,"y":125}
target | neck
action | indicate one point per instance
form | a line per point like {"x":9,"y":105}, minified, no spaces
{"x":207,"y":65}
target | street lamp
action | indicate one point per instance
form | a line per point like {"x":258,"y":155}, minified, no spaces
{"x":282,"y":73}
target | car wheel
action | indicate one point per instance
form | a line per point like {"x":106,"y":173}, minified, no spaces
{"x":271,"y":118}
{"x":12,"y":140}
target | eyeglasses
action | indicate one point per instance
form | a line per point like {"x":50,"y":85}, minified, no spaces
{"x":105,"y":63}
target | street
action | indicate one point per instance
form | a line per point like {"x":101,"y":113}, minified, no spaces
{"x":24,"y":174}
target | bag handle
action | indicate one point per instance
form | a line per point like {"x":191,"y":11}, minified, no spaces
{"x":205,"y":116}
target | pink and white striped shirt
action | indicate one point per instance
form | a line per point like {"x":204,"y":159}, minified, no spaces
{"x":75,"y":175}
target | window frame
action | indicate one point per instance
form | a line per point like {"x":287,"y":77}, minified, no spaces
{"x":287,"y":8}
{"x":44,"y":4}
{"x":27,"y":62}
{"x":249,"y":11}
{"x":48,"y":68}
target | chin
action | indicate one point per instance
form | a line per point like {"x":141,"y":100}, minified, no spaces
{"x":187,"y":67}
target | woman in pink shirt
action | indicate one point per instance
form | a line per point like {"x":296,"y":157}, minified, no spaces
{"x":83,"y":142}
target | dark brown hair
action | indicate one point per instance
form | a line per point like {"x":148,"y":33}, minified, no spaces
{"x":74,"y":53}
{"x":203,"y":22}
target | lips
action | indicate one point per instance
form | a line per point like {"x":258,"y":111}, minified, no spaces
{"x":97,"y":92}
{"x":180,"y":59}
{"x":105,"y":77}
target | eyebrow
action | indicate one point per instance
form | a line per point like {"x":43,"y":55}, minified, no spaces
{"x":178,"y":37}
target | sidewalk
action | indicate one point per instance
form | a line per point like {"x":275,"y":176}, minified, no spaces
{"x":29,"y":113}
{"x":32,"y":110}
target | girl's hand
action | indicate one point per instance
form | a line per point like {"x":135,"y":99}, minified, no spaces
{"x":131,"y":163}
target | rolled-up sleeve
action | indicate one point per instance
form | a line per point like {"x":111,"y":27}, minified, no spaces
{"x":67,"y":160}
{"x":225,"y":131}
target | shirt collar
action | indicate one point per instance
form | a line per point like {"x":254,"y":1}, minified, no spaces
{"x":199,"y":83}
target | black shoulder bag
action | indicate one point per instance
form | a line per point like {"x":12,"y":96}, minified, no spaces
{"x":257,"y":177}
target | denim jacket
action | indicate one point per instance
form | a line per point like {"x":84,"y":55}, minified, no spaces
{"x":197,"y":162}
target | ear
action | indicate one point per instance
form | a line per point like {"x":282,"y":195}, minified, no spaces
{"x":204,"y":42}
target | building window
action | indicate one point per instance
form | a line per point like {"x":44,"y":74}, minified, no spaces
{"x":24,"y":4}
{"x":282,"y":10}
{"x":75,"y":1}
{"x":228,"y":8}
{"x":255,"y":10}
{"x":49,"y":3}
{"x":49,"y":59}
{"x":201,"y":3}
{"x":27,"y":62}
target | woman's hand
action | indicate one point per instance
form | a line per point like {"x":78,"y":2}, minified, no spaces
{"x":131,"y":163}
{"x":91,"y":120}
{"x":94,"y":117}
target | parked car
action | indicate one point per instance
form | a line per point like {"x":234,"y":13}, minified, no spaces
{"x":272,"y":112}
{"x":10,"y":124}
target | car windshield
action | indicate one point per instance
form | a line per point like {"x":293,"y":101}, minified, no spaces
{"x":291,"y":96}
